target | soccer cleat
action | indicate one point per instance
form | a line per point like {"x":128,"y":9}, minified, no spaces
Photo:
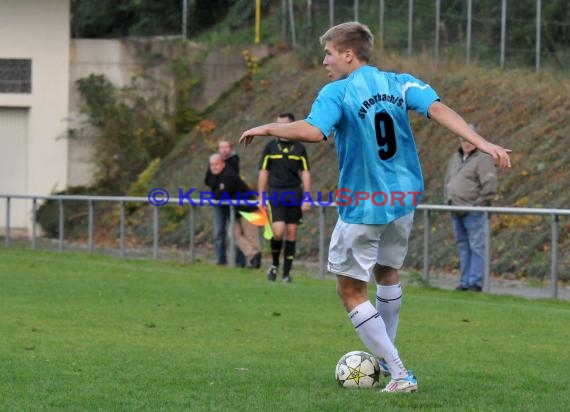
{"x":384,"y":370}
{"x":287,"y":279}
{"x":402,"y":385}
{"x":272,"y":273}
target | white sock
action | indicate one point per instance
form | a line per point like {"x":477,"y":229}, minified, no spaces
{"x":372,"y":332}
{"x":388,"y":303}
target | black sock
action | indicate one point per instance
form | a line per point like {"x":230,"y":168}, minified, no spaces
{"x":289,"y":256}
{"x":276,"y":251}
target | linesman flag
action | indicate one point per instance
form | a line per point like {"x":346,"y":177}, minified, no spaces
{"x":259,"y":218}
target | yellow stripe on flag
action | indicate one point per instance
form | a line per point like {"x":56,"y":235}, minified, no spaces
{"x":268,"y":232}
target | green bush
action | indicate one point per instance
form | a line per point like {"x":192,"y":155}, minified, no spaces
{"x":75,"y":214}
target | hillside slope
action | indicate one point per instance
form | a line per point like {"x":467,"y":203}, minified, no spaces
{"x":519,"y":110}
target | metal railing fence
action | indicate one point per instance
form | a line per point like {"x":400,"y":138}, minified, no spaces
{"x":426,"y":209}
{"x":522,"y":33}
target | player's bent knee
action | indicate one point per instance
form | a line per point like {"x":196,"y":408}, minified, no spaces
{"x":386,"y":275}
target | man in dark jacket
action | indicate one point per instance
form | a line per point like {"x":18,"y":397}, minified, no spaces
{"x":221,"y":214}
{"x":226,"y":184}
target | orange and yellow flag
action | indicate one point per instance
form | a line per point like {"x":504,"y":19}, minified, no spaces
{"x":259,"y":218}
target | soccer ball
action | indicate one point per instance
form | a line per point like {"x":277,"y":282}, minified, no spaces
{"x":357,"y":369}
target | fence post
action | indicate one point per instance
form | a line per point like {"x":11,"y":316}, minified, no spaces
{"x":437,"y":23}
{"x":426,"y":246}
{"x":310,"y":25}
{"x":487,"y":271}
{"x":155,"y":233}
{"x":90,"y":227}
{"x":34,"y":212}
{"x":331,"y":13}
{"x":7,"y":236}
{"x":381,"y":24}
{"x":554,"y":257}
{"x":410,"y":25}
{"x":257,"y":35}
{"x":503,"y":32}
{"x":292,"y":24}
{"x":122,"y":229}
{"x":322,"y":242}
{"x":184,"y":18}
{"x":538,"y":18}
{"x":284,"y":21}
{"x":192,"y":234}
{"x":232,"y":251}
{"x":61,"y":226}
{"x":356,"y":16}
{"x":468,"y":36}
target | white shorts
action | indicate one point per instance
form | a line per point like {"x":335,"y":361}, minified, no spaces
{"x":356,"y":248}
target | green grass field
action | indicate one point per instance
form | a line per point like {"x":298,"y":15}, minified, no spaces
{"x":82,"y":332}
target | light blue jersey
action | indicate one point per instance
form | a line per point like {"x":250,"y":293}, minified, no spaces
{"x":380,"y":177}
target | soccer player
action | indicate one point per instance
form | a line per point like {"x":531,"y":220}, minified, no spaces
{"x":283,"y":176}
{"x":367,"y":109}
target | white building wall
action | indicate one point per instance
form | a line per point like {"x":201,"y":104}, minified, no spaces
{"x":39,"y":30}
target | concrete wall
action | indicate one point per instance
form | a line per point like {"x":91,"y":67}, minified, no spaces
{"x":225,"y":66}
{"x":38,"y":30}
{"x":121,"y":60}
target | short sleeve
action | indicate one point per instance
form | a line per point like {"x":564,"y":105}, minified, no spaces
{"x":327,"y":108}
{"x":304,"y":159}
{"x":264,"y":160}
{"x":418,"y":95}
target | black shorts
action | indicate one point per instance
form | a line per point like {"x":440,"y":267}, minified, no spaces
{"x":287,"y":208}
{"x":287,"y":214}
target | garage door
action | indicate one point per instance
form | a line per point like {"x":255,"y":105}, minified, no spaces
{"x":14,"y":164}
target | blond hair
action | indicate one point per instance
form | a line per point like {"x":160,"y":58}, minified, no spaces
{"x":351,"y":35}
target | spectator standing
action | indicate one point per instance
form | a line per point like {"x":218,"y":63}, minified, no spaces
{"x":227,"y":184}
{"x":221,"y":214}
{"x":231,"y":158}
{"x":471,"y":180}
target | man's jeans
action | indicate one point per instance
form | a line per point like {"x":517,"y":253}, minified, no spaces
{"x":469,"y":231}
{"x":221,"y":223}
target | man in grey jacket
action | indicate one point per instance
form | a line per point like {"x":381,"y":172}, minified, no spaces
{"x":471,"y":180}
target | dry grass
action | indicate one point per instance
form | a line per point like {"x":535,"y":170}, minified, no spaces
{"x":518,"y":109}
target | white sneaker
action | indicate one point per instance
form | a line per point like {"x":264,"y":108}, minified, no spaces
{"x":403,"y":385}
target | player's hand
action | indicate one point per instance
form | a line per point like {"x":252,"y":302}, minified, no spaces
{"x":260,"y":202}
{"x":500,"y":155}
{"x":305,"y":207}
{"x":247,"y":137}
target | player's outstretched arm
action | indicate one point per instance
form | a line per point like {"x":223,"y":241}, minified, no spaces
{"x":298,"y":131}
{"x":449,"y":119}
